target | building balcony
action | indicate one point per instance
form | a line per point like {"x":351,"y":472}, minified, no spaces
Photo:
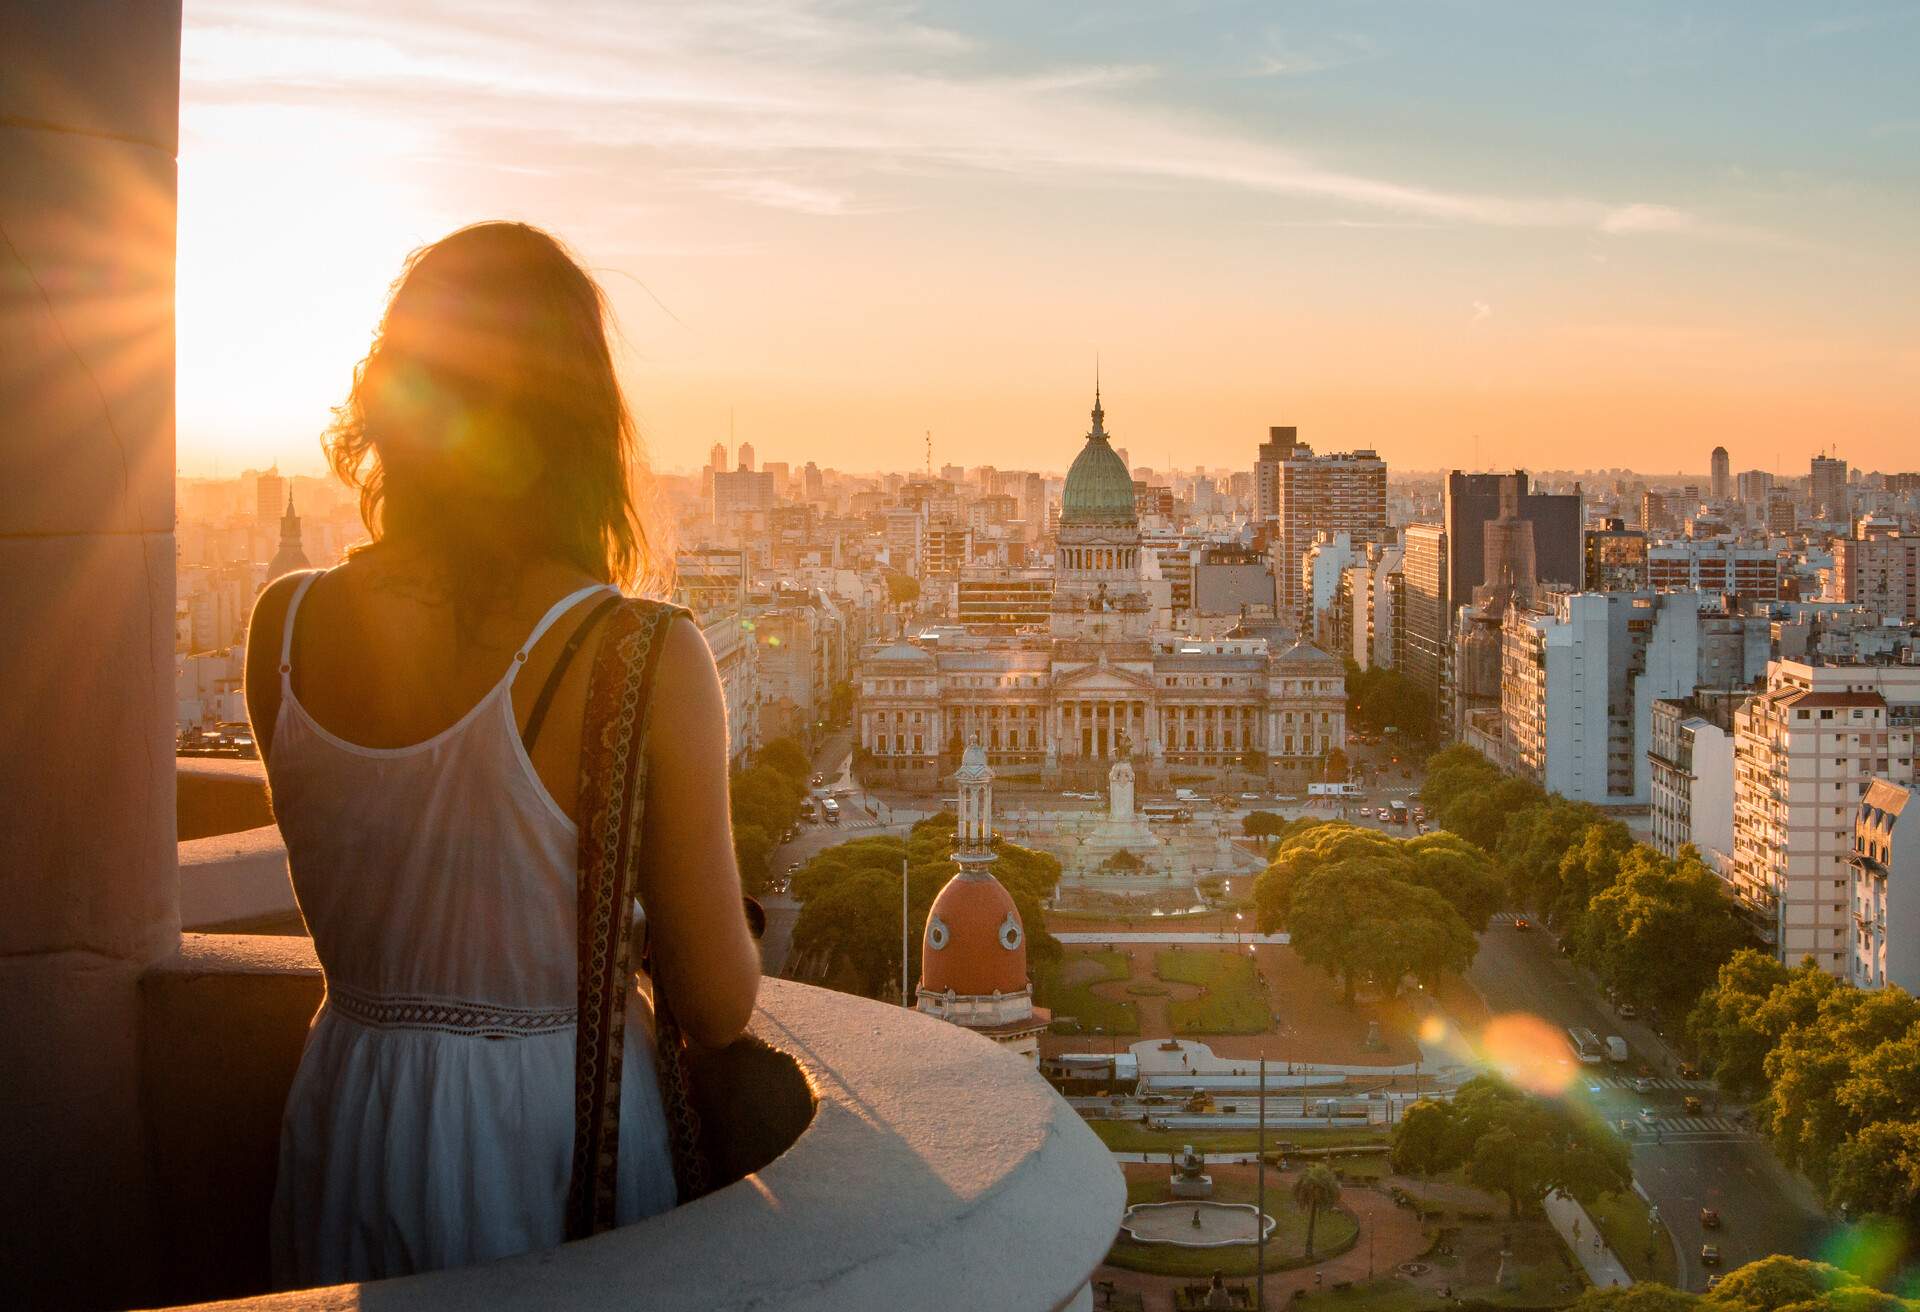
{"x":880,"y":1157}
{"x":885,"y":1159}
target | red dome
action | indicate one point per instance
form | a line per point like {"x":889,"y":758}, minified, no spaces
{"x":975,"y":944}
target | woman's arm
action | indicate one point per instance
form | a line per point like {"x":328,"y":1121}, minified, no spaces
{"x":689,"y":884}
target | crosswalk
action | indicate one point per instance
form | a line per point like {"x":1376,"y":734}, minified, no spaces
{"x":1665,"y":1126}
{"x":1630,"y":1084}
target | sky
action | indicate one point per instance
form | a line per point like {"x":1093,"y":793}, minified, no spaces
{"x":1461,"y":232}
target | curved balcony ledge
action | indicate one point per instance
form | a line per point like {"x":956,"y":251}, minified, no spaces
{"x":936,"y":1171}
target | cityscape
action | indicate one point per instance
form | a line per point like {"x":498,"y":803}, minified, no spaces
{"x":1653,"y":738}
{"x":1301,"y":625}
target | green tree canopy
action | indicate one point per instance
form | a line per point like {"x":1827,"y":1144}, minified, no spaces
{"x":1518,"y":1144}
{"x":850,"y":900}
{"x":1660,"y":932}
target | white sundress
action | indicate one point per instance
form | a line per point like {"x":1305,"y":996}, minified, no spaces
{"x":431,"y":1121}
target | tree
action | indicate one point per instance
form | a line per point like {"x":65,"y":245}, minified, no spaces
{"x":902,"y":588}
{"x":1480,"y":814}
{"x":1725,"y":1026}
{"x":1458,"y":871}
{"x":1363,"y":905}
{"x":753,"y":854}
{"x":1532,"y":845}
{"x":1353,"y":919}
{"x":1337,"y":765}
{"x":1524,"y":1146}
{"x":1589,"y":866}
{"x":1421,"y":1140}
{"x":1642,"y":1296}
{"x":1316,"y":1188}
{"x":849,"y":898}
{"x":1660,"y":932}
{"x":1453,"y":773}
{"x":1779,"y":1282}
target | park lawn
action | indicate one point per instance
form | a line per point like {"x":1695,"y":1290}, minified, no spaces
{"x":1133,"y":1137}
{"x":1235,"y":1001}
{"x":1075,"y":998}
{"x":1622,"y":1218}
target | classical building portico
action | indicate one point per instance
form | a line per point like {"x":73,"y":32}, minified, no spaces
{"x":1065,"y":705}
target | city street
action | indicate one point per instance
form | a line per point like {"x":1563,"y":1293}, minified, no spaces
{"x":1683,"y":1163}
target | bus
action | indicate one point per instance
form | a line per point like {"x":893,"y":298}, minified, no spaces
{"x":1399,"y":810}
{"x":1587,"y":1047}
{"x":831,"y":809}
{"x":1166,"y":813}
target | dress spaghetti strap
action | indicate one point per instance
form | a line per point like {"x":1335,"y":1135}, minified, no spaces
{"x":286,"y":628}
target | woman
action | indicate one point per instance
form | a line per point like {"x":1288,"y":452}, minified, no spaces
{"x":430,"y":823}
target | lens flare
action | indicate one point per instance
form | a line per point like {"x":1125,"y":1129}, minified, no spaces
{"x":1870,"y":1249}
{"x":1528,"y":1052}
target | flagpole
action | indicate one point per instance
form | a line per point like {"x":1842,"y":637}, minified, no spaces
{"x":1260,"y":1212}
{"x":903,"y":931}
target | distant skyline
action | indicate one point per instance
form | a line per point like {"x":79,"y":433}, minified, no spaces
{"x":1610,"y":235}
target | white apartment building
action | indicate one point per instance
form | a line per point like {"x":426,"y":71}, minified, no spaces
{"x":1805,"y":752}
{"x":1886,"y":902}
{"x":1578,"y":681}
{"x":1691,"y":779}
{"x":1370,"y":586}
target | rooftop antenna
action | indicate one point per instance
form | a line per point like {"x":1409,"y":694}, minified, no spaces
{"x":730,"y":446}
{"x":929,"y":455}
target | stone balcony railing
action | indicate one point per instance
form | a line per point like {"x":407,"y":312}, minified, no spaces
{"x":884,"y":1159}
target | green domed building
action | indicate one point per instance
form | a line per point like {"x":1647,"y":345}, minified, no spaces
{"x":1097,"y":588}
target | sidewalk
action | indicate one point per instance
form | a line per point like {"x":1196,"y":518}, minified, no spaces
{"x":1582,"y":1236}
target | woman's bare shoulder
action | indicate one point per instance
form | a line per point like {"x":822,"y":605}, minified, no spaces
{"x":689,"y":709}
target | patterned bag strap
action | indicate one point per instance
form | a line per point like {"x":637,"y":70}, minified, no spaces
{"x":612,"y":811}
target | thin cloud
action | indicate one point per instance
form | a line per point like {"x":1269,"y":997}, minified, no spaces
{"x":715,"y":94}
{"x":1481,"y":312}
{"x":1283,"y":58}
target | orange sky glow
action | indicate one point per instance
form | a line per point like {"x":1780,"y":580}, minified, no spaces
{"x":845,"y":225}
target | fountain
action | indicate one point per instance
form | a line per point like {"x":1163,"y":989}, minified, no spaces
{"x":1190,"y":1179}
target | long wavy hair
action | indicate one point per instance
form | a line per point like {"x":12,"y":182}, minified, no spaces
{"x":486,"y":427}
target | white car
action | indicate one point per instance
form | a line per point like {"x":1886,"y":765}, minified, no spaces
{"x":1249,"y":797}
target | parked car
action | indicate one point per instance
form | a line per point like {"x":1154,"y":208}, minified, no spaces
{"x":1709,"y":1219}
{"x":1709,"y":1255}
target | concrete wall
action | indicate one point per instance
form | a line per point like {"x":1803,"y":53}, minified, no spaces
{"x":89,"y":111}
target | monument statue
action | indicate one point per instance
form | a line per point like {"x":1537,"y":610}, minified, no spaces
{"x":1120,"y":790}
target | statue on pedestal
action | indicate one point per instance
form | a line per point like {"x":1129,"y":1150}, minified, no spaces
{"x":1120,"y":790}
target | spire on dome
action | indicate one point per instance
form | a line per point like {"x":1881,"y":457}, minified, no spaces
{"x":1099,"y":415}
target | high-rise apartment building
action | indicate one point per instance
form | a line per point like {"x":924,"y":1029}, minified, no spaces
{"x":1424,"y":642}
{"x":1471,"y":501}
{"x":1656,"y":512}
{"x":1827,"y":489}
{"x":1616,"y":559}
{"x":1720,"y":479}
{"x":1754,"y":486}
{"x":1879,"y":568}
{"x":1886,"y":861}
{"x":738,"y":492}
{"x":1750,"y":573}
{"x":1690,"y":756}
{"x":1805,"y":752}
{"x":1376,"y":593}
{"x":270,"y":496}
{"x":1783,"y":517}
{"x":1579,"y":677}
{"x":746,"y":456}
{"x":1274,"y":452}
{"x":1345,"y":492}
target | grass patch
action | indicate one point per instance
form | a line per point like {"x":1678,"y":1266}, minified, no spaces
{"x":1133,"y":1137}
{"x":1234,"y":1002}
{"x":1622,"y":1218}
{"x":1066,"y":986}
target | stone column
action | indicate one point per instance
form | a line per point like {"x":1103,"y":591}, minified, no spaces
{"x":89,"y":129}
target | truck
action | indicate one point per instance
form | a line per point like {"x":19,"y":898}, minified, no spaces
{"x":1616,"y":1048}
